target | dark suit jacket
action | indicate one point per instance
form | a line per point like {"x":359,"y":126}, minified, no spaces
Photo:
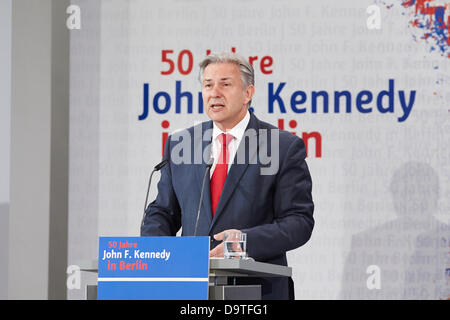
{"x":275,"y":210}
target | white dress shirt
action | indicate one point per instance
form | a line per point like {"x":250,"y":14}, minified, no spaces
{"x":237,"y":132}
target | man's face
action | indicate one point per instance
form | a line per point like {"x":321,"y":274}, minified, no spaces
{"x":224,"y":96}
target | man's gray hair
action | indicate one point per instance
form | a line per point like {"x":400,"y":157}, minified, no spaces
{"x":246,"y":69}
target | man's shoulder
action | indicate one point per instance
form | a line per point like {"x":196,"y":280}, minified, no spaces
{"x":284,"y":135}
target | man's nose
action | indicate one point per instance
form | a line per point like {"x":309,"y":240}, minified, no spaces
{"x":215,"y":91}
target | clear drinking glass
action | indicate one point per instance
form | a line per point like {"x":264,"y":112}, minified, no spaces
{"x":235,"y":245}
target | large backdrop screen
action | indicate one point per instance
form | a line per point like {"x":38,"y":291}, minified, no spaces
{"x":364,"y":83}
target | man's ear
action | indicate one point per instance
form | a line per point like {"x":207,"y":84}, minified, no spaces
{"x":249,"y":91}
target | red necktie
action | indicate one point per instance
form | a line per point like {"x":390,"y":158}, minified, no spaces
{"x":220,"y":172}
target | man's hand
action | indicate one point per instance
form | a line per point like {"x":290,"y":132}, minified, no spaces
{"x":218,"y":251}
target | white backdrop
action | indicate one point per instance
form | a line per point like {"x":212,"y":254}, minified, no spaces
{"x":380,"y":185}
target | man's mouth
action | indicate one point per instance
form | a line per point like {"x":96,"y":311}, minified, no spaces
{"x":217,"y":106}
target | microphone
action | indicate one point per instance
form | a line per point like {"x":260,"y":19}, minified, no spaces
{"x":158,"y":167}
{"x":208,"y":167}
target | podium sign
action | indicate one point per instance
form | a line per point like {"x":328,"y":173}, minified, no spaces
{"x":153,"y":268}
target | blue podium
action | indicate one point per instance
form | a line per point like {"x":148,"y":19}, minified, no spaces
{"x":153,"y":268}
{"x":171,"y":268}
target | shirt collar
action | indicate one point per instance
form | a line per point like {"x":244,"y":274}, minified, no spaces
{"x":237,"y":131}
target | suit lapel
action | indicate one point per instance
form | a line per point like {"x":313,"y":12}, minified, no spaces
{"x":202,"y":145}
{"x":238,"y":169}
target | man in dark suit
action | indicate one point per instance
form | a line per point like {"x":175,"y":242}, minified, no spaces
{"x":259,"y":181}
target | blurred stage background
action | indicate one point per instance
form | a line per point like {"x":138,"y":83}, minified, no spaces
{"x":78,"y":149}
